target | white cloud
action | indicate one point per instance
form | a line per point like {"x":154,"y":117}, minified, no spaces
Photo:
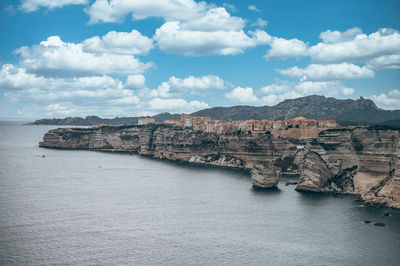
{"x":54,"y":57}
{"x":190,"y":85}
{"x":57,"y":108}
{"x":282,"y":48}
{"x":378,"y":50}
{"x":190,"y":28}
{"x":230,"y":7}
{"x":315,"y":72}
{"x":172,"y":38}
{"x":127,"y":100}
{"x":100,"y":95}
{"x":135,"y":81}
{"x":275,"y":93}
{"x":33,"y":5}
{"x":390,"y":100}
{"x":253,"y":8}
{"x":242,"y":95}
{"x":337,"y":36}
{"x":162,"y":91}
{"x":12,"y":77}
{"x":276,"y":88}
{"x":215,"y":19}
{"x":260,"y":23}
{"x":125,"y":43}
{"x":117,"y":10}
{"x":384,"y":62}
{"x":327,"y":88}
{"x":176,"y":105}
{"x":273,"y":99}
{"x":94,"y":90}
{"x":355,"y":47}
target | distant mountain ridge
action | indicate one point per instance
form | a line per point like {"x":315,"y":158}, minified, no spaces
{"x":360,"y":111}
{"x":94,"y":120}
{"x":347,"y":112}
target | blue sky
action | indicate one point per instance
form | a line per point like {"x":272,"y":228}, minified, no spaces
{"x":132,"y":58}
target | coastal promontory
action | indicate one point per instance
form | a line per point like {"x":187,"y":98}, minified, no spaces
{"x":363,"y":161}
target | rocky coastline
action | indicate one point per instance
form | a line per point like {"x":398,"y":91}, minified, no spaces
{"x":361,"y":161}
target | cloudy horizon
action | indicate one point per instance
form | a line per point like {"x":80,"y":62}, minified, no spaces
{"x":134,"y":58}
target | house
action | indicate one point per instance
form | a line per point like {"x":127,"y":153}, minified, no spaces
{"x":146,"y":120}
{"x":328,"y":123}
{"x":176,"y":122}
{"x":279,"y":125}
{"x":197,"y":122}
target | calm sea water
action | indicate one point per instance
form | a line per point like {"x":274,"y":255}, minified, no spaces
{"x":85,"y":207}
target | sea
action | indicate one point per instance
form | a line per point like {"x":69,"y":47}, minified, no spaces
{"x":75,"y":207}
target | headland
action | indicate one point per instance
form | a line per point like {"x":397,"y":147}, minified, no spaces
{"x":325,"y":157}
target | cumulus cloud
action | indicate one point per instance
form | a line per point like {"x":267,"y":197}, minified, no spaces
{"x":242,"y":95}
{"x":283,"y":48}
{"x":390,"y":100}
{"x":177,"y":105}
{"x":355,"y":46}
{"x":117,"y":10}
{"x":172,"y":38}
{"x":315,"y":72}
{"x":54,"y":57}
{"x":66,"y":96}
{"x":162,"y":91}
{"x":215,"y":19}
{"x":273,"y":99}
{"x":327,"y":88}
{"x":335,"y":56}
{"x":190,"y":85}
{"x":277,"y":88}
{"x":230,"y":7}
{"x":253,"y":8}
{"x":135,"y":81}
{"x":384,"y":62}
{"x":33,"y":5}
{"x":275,"y":93}
{"x":337,"y":36}
{"x":12,"y":77}
{"x":259,"y":23}
{"x":23,"y":86}
{"x":125,"y":43}
{"x":63,"y":109}
{"x":190,"y":28}
{"x":100,"y":95}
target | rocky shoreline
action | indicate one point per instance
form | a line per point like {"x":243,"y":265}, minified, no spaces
{"x":360,"y":161}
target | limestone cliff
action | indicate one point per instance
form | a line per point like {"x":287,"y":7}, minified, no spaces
{"x":255,"y":152}
{"x":360,"y":161}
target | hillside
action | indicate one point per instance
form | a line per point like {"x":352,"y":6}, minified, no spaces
{"x":347,"y":112}
{"x":92,"y":120}
{"x":361,"y":111}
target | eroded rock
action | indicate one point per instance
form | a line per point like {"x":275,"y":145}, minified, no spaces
{"x":264,"y":175}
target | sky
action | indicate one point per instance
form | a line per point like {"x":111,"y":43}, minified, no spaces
{"x":140,"y":57}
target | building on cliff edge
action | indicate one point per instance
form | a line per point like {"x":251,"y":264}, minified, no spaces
{"x":146,"y":120}
{"x":297,"y":127}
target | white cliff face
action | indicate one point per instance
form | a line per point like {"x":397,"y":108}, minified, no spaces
{"x":358,"y":161}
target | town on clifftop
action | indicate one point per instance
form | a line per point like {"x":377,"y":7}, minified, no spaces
{"x":297,"y":127}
